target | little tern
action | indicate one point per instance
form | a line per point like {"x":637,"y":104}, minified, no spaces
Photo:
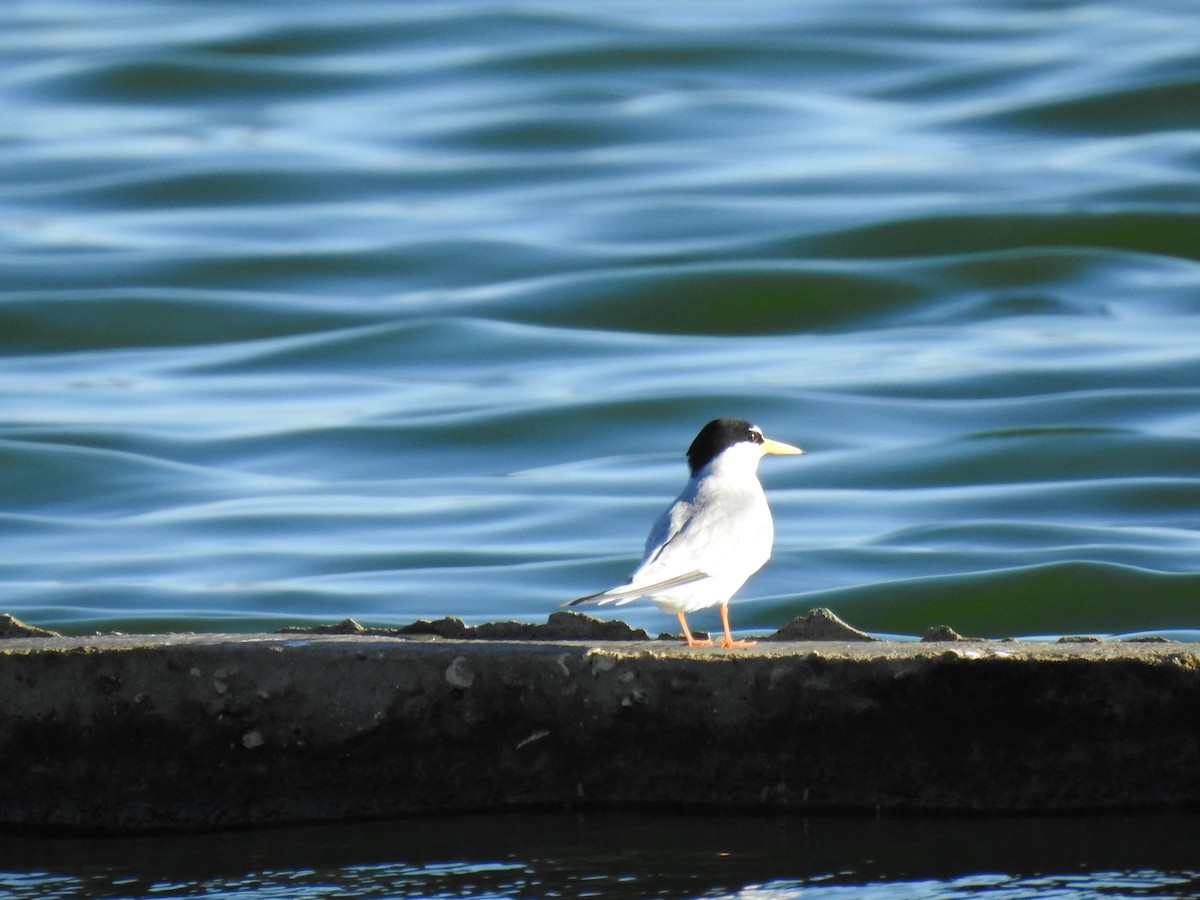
{"x":716,"y":534}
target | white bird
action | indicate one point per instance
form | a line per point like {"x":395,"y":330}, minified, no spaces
{"x":716,"y":534}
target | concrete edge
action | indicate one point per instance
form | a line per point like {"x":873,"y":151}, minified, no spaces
{"x":218,"y":731}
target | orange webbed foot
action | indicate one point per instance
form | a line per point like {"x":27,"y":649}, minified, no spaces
{"x":687,"y":635}
{"x":728,"y":640}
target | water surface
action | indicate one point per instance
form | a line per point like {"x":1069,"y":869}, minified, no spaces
{"x":629,"y":855}
{"x":409,"y":310}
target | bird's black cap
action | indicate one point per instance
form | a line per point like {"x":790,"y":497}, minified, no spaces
{"x":717,"y":436}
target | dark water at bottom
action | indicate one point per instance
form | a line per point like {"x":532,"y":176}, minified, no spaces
{"x":536,"y":855}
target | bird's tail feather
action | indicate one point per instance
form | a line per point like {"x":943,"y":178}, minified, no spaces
{"x":627,"y":593}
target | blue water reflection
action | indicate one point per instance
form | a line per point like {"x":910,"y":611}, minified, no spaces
{"x":403,"y":310}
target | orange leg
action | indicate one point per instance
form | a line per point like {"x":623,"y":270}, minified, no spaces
{"x":687,"y":634}
{"x":728,"y":640}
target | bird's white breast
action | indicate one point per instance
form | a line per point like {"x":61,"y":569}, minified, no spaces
{"x":720,"y":524}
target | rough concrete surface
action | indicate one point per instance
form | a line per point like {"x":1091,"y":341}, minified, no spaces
{"x":201,"y":731}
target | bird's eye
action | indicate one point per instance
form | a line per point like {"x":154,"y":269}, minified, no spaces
{"x":755,"y":436}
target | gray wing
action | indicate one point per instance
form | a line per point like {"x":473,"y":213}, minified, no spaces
{"x":666,"y":528}
{"x":651,"y":577}
{"x":626,"y":592}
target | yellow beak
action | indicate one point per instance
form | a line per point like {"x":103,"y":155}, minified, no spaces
{"x":777,"y":447}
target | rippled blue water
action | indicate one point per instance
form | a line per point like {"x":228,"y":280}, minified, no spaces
{"x":398,"y":310}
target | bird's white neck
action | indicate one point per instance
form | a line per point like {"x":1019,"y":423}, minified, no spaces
{"x":737,"y":463}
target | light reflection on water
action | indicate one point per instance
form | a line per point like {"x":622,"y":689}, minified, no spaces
{"x":545,"y":855}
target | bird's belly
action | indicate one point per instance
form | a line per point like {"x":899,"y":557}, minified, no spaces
{"x":698,"y":595}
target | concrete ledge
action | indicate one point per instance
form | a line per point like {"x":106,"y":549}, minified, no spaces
{"x":206,"y":731}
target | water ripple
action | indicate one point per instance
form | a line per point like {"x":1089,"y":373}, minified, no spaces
{"x":403,"y":310}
